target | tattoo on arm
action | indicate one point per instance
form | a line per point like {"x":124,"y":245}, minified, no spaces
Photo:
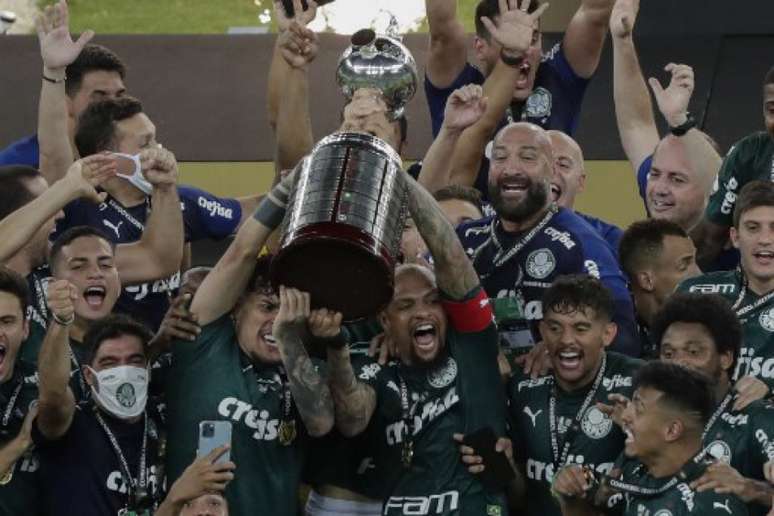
{"x":310,"y":390}
{"x":355,"y":401}
{"x":454,"y":272}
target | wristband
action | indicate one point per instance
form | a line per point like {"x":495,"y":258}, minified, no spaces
{"x":269,"y":213}
{"x":63,"y":322}
{"x":683,"y":128}
{"x":54,"y":81}
{"x":510,"y":60}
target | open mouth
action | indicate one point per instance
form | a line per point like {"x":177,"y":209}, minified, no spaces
{"x":629,"y":435}
{"x":764,"y":257}
{"x":3,"y":351}
{"x":424,"y":335}
{"x":556,"y":191}
{"x":570,"y":360}
{"x":94,"y":296}
{"x":269,"y":339}
{"x":659,"y":205}
{"x":514,"y":186}
{"x":523,"y":79}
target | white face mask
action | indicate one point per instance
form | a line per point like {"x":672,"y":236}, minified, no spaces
{"x":136,"y":177}
{"x":122,"y":391}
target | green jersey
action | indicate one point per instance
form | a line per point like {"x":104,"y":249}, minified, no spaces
{"x":578,"y":432}
{"x":19,"y":487}
{"x":212,"y":379}
{"x":750,"y":159}
{"x":640,"y":494}
{"x":744,"y":438}
{"x":420,"y":408}
{"x":756,"y":313}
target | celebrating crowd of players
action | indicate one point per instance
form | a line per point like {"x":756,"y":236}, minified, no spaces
{"x":533,"y":359}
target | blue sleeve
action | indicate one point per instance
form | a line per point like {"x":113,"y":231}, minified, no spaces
{"x":208,"y":216}
{"x":642,"y":177}
{"x":600,"y":263}
{"x":573,"y":87}
{"x":436,"y":97}
{"x":22,"y":152}
{"x":73,"y":216}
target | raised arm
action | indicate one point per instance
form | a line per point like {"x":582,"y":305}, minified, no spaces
{"x":447,"y":53}
{"x":159,"y":252}
{"x":18,"y":228}
{"x":584,"y":38}
{"x":464,"y":107}
{"x":354,"y":401}
{"x":633,"y":108}
{"x":223,"y":286}
{"x":673,"y":103}
{"x":58,"y":51}
{"x":309,"y":388}
{"x":294,"y":124}
{"x":514,"y":31}
{"x":453,"y":270}
{"x":56,"y":402}
{"x":13,"y":450}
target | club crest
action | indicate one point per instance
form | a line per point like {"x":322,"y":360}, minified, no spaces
{"x":766,"y":320}
{"x":443,"y":375}
{"x":125,"y":395}
{"x":595,"y":424}
{"x":720,"y":450}
{"x":541,"y":263}
{"x":539,"y":103}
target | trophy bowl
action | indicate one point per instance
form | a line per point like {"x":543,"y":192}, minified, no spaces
{"x":343,"y":225}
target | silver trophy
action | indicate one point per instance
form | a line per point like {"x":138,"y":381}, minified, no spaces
{"x":381,"y":62}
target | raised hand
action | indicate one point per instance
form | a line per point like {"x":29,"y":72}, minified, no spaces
{"x":324,"y":323}
{"x":304,"y":17}
{"x":298,"y":45}
{"x":293,"y":313}
{"x":618,"y":403}
{"x":60,"y":297}
{"x":179,"y":322}
{"x":159,"y":166}
{"x":464,"y":107}
{"x":673,"y":101}
{"x":203,"y":476}
{"x":749,"y":389}
{"x":723,"y":479}
{"x":516,"y":27}
{"x":623,"y":18}
{"x":474,"y":462}
{"x":57,"y":47}
{"x":571,"y":482}
{"x":86,"y":174}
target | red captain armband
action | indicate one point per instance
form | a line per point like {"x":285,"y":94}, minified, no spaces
{"x":472,"y":315}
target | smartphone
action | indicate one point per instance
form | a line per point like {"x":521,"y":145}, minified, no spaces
{"x":290,"y":10}
{"x":497,"y":470}
{"x":213,"y":434}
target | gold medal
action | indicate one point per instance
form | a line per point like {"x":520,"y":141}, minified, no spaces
{"x":6,"y":479}
{"x":287,"y":432}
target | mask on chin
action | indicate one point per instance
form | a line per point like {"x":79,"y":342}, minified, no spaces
{"x":122,"y":391}
{"x":130,"y":169}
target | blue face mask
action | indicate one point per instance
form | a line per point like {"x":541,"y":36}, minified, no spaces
{"x":135,"y":178}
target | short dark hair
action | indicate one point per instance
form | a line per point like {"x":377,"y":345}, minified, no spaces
{"x":769,"y":78}
{"x":491,"y":9}
{"x":14,"y":193}
{"x":111,"y":327}
{"x":260,"y":279}
{"x":712,"y":311}
{"x":71,"y":234}
{"x":753,"y":195}
{"x":459,"y":192}
{"x":92,"y":58}
{"x":643,"y":241}
{"x":578,"y":293}
{"x":96,"y":128}
{"x":13,"y":283}
{"x":686,"y":390}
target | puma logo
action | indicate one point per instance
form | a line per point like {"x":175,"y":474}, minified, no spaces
{"x":718,"y":505}
{"x":113,"y":227}
{"x":532,"y":416}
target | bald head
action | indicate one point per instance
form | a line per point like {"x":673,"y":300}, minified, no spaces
{"x":527,"y":131}
{"x":569,"y":169}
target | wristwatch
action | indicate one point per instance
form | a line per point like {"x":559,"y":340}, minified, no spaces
{"x":683,"y":128}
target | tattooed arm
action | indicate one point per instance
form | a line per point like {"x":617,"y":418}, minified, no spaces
{"x":355,"y":401}
{"x":310,"y":390}
{"x":453,"y":270}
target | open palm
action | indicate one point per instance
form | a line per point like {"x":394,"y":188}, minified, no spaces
{"x":56,"y":45}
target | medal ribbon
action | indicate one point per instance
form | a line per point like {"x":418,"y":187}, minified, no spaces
{"x":625,"y":487}
{"x":561,"y":460}
{"x":141,"y":480}
{"x":126,"y":215}
{"x":408,"y":423}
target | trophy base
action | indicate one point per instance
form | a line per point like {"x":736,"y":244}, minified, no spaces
{"x":343,"y":268}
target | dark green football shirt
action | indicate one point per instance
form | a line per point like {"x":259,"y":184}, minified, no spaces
{"x":20,"y":495}
{"x":461,"y":392}
{"x":597,"y":443}
{"x":750,"y":159}
{"x":211,"y":379}
{"x":756,"y":357}
{"x":677,"y":498}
